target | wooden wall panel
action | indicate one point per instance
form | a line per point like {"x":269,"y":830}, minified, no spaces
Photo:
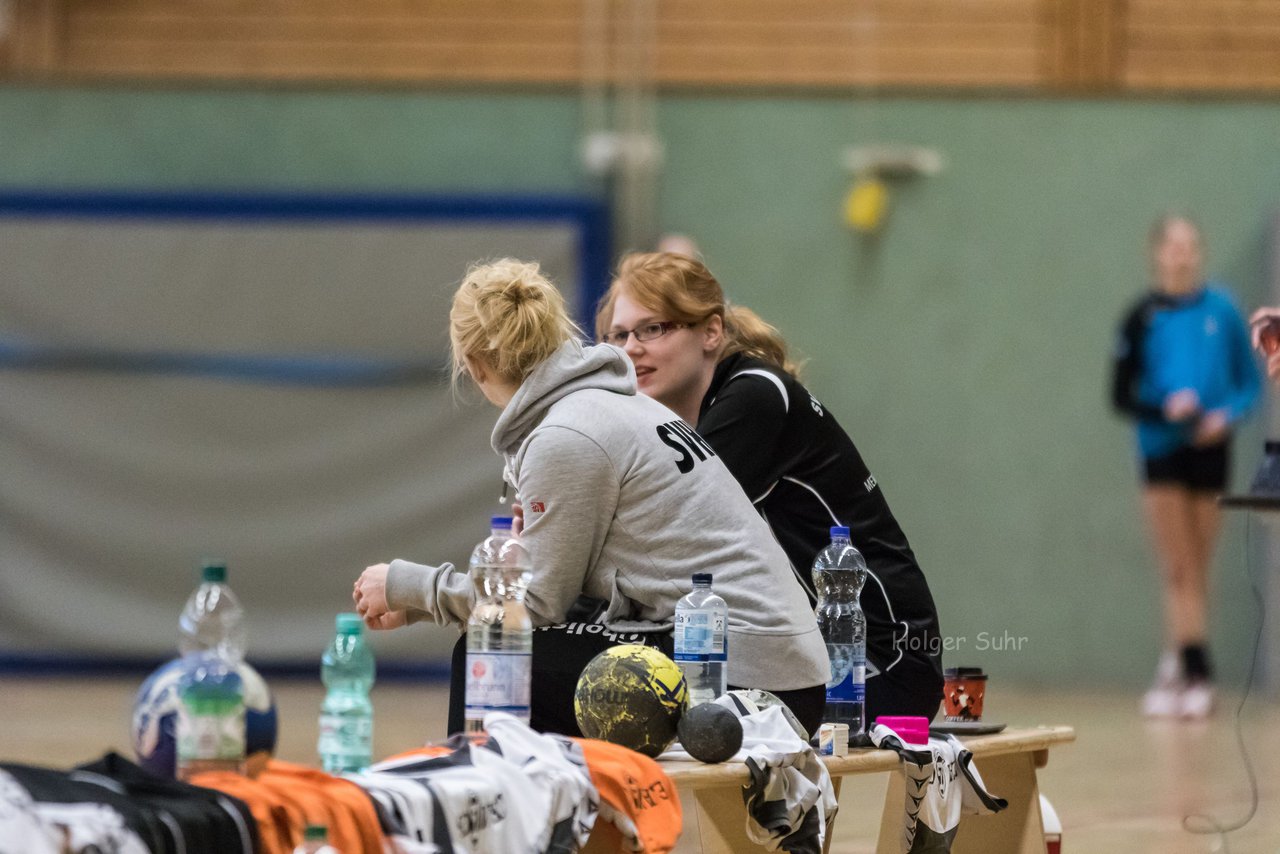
{"x":833,"y":43}
{"x":1031,"y":45}
{"x":35,"y":42}
{"x":378,"y":40}
{"x":812,"y":43}
{"x":1084,"y":47}
{"x":1177,"y":45}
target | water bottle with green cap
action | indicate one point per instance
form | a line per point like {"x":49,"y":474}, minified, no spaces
{"x":315,"y":840}
{"x":346,"y":716}
{"x":213,"y":620}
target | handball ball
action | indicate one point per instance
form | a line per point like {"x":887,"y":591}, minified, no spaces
{"x":631,"y":695}
{"x":155,"y":716}
{"x":749,"y":701}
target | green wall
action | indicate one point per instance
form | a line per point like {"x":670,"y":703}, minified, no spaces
{"x":965,"y":349}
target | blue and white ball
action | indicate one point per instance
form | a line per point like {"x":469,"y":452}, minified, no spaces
{"x":155,"y":714}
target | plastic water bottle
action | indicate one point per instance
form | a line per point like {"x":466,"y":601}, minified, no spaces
{"x":346,"y":715}
{"x":839,"y":572}
{"x":210,"y":730}
{"x":499,"y":634}
{"x":701,"y":645}
{"x":315,"y":840}
{"x":212,"y":619}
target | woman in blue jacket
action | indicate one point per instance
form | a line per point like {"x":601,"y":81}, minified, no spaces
{"x":1184,"y":371}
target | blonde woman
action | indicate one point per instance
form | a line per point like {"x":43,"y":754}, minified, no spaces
{"x":726,"y":372}
{"x":1184,"y":373}
{"x":621,"y":503}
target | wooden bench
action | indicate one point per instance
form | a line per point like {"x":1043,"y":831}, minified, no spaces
{"x":715,"y":817}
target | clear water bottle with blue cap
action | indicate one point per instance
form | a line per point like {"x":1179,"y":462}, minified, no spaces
{"x":499,"y":632}
{"x":701,"y":641}
{"x":839,"y":571}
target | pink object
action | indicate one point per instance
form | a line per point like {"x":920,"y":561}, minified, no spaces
{"x":910,"y":728}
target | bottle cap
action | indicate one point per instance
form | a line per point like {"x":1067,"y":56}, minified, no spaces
{"x":839,"y":531}
{"x":500,"y":522}
{"x":316,"y":833}
{"x":702,"y":578}
{"x":349,"y":624}
{"x":213,"y":572}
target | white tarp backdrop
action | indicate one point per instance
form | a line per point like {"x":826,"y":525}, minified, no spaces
{"x":115,"y":483}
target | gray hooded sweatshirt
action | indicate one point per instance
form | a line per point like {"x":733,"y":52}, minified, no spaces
{"x":624,"y":501}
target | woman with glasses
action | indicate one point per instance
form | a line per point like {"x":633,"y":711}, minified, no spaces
{"x":622,"y":502}
{"x":726,"y":372}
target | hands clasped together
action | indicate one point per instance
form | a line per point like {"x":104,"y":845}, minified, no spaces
{"x":1210,"y":427}
{"x":370,"y":596}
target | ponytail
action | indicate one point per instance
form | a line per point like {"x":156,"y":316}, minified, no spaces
{"x":747,"y":333}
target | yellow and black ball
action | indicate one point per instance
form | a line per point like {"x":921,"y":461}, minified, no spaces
{"x":631,"y":695}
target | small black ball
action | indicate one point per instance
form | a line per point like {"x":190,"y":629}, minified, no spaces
{"x":710,"y":733}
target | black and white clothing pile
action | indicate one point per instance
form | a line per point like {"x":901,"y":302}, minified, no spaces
{"x":113,"y":806}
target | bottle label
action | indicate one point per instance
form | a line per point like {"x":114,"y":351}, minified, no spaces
{"x":848,"y":683}
{"x":215,"y":735}
{"x":342,"y":735}
{"x":498,"y":682}
{"x":699,"y":636}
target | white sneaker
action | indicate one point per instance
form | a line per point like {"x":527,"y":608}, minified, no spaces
{"x":1163,"y":701}
{"x":1164,"y":698}
{"x":1197,"y":700}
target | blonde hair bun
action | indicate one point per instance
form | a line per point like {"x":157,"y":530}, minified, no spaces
{"x":509,"y":317}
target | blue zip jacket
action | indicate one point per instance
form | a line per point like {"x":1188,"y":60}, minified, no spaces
{"x":1199,"y":342}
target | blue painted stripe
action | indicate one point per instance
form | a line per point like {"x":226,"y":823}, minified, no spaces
{"x":294,"y":206}
{"x":317,"y":370}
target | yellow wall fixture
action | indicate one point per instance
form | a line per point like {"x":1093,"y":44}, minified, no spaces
{"x":866,"y":205}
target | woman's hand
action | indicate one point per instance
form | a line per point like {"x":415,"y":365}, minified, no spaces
{"x":1212,"y":428}
{"x":370,"y":596}
{"x":517,"y":518}
{"x":1260,"y":322}
{"x":1182,"y":405}
{"x":1264,"y":326}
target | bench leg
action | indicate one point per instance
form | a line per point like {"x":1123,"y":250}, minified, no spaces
{"x":831,"y":821}
{"x":892,"y":817}
{"x":715,"y":822}
{"x":1018,"y":829}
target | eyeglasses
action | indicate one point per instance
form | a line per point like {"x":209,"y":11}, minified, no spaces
{"x":648,"y":332}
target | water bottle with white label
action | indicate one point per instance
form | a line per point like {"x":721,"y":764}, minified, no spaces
{"x":701,"y":646}
{"x":499,"y":633}
{"x":346,"y":715}
{"x":839,"y":571}
{"x":210,"y":729}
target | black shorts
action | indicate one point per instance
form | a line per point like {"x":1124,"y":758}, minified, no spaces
{"x":1198,"y":469}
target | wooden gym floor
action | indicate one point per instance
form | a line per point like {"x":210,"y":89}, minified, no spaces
{"x":1124,"y":786}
